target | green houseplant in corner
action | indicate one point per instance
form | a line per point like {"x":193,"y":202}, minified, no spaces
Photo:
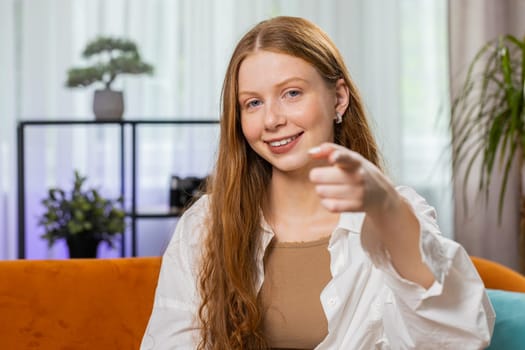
{"x":488,"y":119}
{"x":112,"y":57}
{"x":82,"y":217}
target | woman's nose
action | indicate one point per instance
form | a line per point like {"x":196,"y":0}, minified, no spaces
{"x":274,"y":116}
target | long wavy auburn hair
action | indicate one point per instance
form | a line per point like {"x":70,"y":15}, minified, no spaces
{"x":230,"y":313}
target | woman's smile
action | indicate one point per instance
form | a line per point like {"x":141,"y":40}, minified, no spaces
{"x":285,"y":144}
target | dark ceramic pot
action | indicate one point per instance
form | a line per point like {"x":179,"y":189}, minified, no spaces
{"x":82,"y":246}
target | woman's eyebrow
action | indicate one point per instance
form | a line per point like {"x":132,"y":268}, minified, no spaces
{"x":278,"y":85}
{"x":290,"y":80}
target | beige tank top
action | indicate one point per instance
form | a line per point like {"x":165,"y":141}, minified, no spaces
{"x":295,"y":274}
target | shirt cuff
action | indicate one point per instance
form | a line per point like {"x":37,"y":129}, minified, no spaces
{"x":436,"y":251}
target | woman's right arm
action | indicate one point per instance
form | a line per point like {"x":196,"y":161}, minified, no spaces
{"x":173,"y":322}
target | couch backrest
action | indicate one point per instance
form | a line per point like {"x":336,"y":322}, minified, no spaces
{"x":76,"y":304}
{"x":498,"y":276}
{"x":105,"y":303}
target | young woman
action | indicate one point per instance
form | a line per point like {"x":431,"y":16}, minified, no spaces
{"x":302,"y":242}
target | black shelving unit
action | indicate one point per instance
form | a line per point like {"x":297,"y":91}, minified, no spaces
{"x":123,"y":125}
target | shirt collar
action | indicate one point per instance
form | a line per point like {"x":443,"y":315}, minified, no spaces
{"x":267,"y":232}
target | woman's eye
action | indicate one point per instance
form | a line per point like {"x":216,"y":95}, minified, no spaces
{"x":253,"y":103}
{"x":293,"y":93}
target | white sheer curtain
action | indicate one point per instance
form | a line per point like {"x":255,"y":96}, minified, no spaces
{"x":395,"y":51}
{"x":8,"y":116}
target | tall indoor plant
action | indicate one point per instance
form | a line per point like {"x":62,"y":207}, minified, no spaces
{"x":112,"y":57}
{"x":82,"y":217}
{"x":488,"y":119}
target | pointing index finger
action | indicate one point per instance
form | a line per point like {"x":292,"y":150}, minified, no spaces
{"x":322,"y":151}
{"x":336,"y":155}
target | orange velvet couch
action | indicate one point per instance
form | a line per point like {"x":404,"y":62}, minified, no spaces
{"x":105,"y":303}
{"x":498,"y":276}
{"x":76,"y":304}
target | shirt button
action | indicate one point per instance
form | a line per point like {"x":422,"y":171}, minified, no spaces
{"x":332,"y":301}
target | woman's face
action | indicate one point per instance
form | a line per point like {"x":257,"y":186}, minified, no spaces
{"x":286,"y":108}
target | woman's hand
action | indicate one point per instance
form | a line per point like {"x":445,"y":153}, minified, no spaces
{"x":350,"y":183}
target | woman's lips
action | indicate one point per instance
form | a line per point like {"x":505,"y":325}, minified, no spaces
{"x":284,"y":145}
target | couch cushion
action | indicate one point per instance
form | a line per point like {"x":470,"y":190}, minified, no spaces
{"x":509,"y":330}
{"x":76,"y":304}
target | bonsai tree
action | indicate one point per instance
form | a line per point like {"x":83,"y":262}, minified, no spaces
{"x":488,"y":118}
{"x":81,"y":215}
{"x":115,"y":56}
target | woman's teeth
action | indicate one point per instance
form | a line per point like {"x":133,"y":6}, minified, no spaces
{"x":283,"y":142}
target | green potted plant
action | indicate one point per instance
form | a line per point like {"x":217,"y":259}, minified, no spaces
{"x":113,"y":57}
{"x":82,"y":217}
{"x":488,"y":119}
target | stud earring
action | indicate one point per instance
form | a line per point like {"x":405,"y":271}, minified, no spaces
{"x":338,"y":118}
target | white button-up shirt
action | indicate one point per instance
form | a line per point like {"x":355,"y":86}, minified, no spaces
{"x":367,"y":304}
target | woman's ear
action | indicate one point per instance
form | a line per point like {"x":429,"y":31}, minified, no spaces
{"x":342,"y":96}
